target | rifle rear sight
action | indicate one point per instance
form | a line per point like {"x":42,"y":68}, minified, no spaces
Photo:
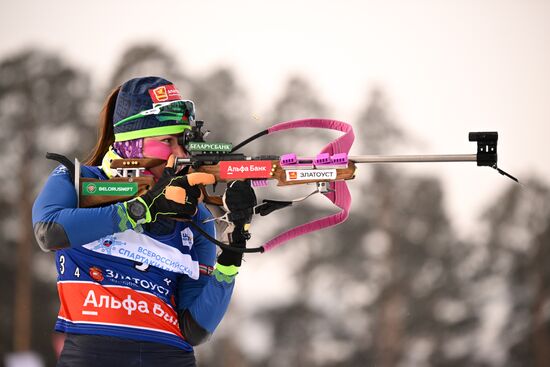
{"x":194,"y":134}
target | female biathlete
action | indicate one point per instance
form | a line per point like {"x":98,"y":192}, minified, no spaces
{"x":136,"y":287}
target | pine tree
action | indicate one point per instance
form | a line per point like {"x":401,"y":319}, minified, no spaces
{"x":42,"y":108}
{"x":517,"y":257}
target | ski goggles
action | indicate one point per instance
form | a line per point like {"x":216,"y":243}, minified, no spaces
{"x":166,"y":111}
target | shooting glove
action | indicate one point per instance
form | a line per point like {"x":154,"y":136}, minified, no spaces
{"x":174,"y":196}
{"x":239,"y":200}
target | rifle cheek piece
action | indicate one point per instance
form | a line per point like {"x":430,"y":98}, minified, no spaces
{"x":486,"y":147}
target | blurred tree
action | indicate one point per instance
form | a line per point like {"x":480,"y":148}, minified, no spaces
{"x":518,"y":256}
{"x":148,"y":59}
{"x":376,"y":128}
{"x":222,"y":351}
{"x":298,"y":101}
{"x":42,"y":108}
{"x":222,"y":103}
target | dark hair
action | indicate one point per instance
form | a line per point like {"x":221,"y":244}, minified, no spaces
{"x":106,"y":132}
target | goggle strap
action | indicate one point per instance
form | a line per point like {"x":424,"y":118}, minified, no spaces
{"x":156,"y":110}
{"x":129,"y":118}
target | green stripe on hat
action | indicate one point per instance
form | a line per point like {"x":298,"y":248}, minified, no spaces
{"x":155,"y":131}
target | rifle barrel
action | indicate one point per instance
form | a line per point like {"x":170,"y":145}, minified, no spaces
{"x":413,"y":158}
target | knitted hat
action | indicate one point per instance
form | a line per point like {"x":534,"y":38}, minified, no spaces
{"x":143,"y":94}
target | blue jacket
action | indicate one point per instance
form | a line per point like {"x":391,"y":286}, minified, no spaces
{"x":116,"y":281}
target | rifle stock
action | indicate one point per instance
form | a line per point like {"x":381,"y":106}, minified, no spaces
{"x":88,"y":199}
{"x":141,"y":184}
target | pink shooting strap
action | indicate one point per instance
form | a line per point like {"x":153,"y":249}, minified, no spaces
{"x":340,"y":197}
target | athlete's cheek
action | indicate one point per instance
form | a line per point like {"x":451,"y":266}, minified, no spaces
{"x":156,"y":149}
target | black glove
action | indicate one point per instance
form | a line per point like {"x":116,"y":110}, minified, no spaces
{"x":239,"y":200}
{"x":174,"y":196}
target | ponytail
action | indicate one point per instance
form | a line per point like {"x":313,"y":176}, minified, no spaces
{"x":106,"y":131}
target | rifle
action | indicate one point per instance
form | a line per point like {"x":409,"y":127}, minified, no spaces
{"x":329,"y":171}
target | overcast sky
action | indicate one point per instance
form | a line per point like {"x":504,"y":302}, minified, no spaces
{"x":448,"y":67}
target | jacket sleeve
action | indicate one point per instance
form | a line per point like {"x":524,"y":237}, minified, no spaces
{"x":202,"y":303}
{"x":58,"y":223}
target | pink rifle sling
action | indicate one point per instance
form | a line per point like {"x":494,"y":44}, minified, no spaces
{"x":340,"y":196}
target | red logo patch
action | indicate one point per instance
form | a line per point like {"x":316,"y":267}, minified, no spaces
{"x":165,"y":93}
{"x":160,"y":94}
{"x":245,"y":169}
{"x":96,"y":274}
